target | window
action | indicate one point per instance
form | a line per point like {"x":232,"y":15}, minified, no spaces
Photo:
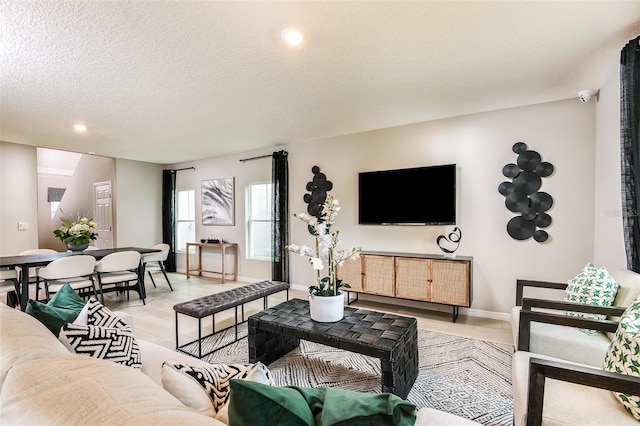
{"x":185,"y":218}
{"x":258,"y":219}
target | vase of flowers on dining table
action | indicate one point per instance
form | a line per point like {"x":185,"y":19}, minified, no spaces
{"x":76,"y":232}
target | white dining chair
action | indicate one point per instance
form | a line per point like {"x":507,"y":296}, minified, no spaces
{"x":119,"y":270}
{"x":154,"y":262}
{"x":77,"y":270}
{"x":10,"y":285}
{"x":34,"y":277}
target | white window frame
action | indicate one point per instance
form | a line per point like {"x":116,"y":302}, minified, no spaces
{"x":250,"y":220}
{"x":177,"y":217}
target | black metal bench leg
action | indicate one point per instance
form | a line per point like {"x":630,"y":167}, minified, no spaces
{"x":199,"y":338}
{"x":236,"y":309}
{"x":177,"y":343}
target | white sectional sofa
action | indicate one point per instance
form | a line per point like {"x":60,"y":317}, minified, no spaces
{"x":42,"y":383}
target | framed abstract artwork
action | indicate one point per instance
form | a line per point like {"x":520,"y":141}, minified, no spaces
{"x":218,"y":201}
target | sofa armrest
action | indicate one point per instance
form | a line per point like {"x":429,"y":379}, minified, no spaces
{"x":528,"y":316}
{"x":540,"y":370}
{"x":528,"y":304}
{"x":521,"y":284}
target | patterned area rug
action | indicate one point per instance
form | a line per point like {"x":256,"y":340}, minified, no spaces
{"x":467,"y":377}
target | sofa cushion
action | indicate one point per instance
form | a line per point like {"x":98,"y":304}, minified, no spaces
{"x":155,"y":355}
{"x":82,"y":391}
{"x":112,"y":344}
{"x":326,"y":406}
{"x":623,"y":356}
{"x":592,"y":286}
{"x":64,"y":307}
{"x":568,"y":343}
{"x":24,"y":338}
{"x":205,"y":388}
{"x":628,"y":287}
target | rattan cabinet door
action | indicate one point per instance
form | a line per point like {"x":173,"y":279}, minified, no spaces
{"x":351,"y":273}
{"x":412,"y":278}
{"x":450,"y":281}
{"x":378,"y":275}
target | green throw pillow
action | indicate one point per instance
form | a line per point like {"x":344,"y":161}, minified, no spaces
{"x":64,"y":307}
{"x":592,"y":286}
{"x":325,"y":406}
{"x":623,"y":356}
{"x":255,"y":404}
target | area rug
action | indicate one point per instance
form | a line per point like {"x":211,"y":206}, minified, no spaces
{"x":470,"y":378}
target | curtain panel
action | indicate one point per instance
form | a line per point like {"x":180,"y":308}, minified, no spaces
{"x":630,"y":149}
{"x":280,"y":215}
{"x":168,"y":216}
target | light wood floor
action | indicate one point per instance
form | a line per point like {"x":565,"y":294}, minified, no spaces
{"x":155,"y":321}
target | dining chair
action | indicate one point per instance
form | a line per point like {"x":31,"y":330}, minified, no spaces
{"x":154,"y":262}
{"x":77,"y":270}
{"x":119,"y":270}
{"x":9,"y":284}
{"x":34,"y":277}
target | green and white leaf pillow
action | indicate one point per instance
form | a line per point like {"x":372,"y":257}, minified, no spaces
{"x":623,"y":356}
{"x":592,"y":286}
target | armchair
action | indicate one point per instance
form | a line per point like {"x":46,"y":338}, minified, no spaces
{"x":550,"y":345}
{"x":541,"y":326}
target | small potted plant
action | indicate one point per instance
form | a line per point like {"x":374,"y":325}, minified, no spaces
{"x":326,"y":301}
{"x":76,"y":232}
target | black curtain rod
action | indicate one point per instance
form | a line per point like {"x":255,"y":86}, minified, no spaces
{"x":185,"y":168}
{"x":256,"y":158}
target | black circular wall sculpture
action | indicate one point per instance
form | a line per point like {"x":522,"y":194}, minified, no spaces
{"x":523,"y":195}
{"x":318,"y":188}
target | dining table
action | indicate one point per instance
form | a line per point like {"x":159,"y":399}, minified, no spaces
{"x":26,"y":261}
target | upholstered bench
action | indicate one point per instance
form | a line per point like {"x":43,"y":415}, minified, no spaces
{"x":203,"y":307}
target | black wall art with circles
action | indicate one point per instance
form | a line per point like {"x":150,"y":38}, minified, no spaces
{"x":523,"y":196}
{"x":318,"y":188}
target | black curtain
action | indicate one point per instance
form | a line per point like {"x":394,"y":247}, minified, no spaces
{"x":630,"y":149}
{"x":168,"y":216}
{"x":280,"y":215}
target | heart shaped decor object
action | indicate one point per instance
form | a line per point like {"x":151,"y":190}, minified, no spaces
{"x":449,"y":241}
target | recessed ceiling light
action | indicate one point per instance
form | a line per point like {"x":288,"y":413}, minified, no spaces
{"x":80,"y":127}
{"x":292,"y":36}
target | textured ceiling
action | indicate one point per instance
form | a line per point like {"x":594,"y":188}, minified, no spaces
{"x":173,"y":81}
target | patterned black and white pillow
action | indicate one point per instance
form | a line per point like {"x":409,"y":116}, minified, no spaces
{"x":206,"y":388}
{"x":108,"y":343}
{"x":95,"y":313}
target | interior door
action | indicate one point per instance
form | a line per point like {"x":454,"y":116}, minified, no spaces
{"x":103,"y":214}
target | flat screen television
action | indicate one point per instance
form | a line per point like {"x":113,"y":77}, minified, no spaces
{"x":415,"y":196}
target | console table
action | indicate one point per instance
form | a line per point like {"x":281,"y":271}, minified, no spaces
{"x":414,"y":276}
{"x":223,"y":248}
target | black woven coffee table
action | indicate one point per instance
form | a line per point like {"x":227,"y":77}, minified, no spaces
{"x":391,"y":338}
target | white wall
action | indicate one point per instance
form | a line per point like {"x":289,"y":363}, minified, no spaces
{"x":137,"y":204}
{"x":609,"y":248}
{"x":566,"y":133}
{"x":18,"y":198}
{"x":243,"y":173}
{"x":480,"y":144}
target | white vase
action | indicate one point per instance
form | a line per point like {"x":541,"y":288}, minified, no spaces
{"x":326,"y":308}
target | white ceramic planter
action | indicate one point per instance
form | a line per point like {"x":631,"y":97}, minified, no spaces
{"x":327,"y":308}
